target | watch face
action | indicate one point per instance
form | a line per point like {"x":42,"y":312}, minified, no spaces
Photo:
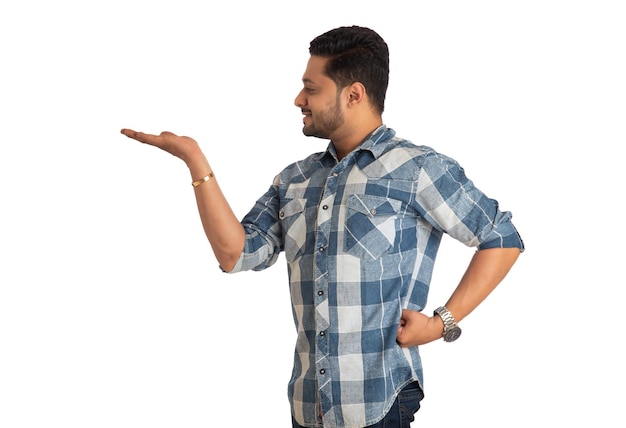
{"x":452,"y":334}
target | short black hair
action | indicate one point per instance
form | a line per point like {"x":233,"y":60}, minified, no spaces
{"x":356,"y":54}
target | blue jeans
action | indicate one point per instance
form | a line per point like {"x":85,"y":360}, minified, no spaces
{"x":402,"y":412}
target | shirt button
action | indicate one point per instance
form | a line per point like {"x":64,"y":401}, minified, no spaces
{"x":322,"y":333}
{"x":282,"y":214}
{"x":322,"y":249}
{"x":373,"y":211}
{"x":335,"y":174}
{"x":322,"y":371}
{"x":325,"y":207}
{"x":320,"y":293}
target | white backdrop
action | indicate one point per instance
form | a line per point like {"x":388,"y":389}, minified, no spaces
{"x":113,"y":312}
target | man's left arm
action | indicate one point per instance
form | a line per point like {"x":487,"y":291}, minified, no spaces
{"x":452,"y":204}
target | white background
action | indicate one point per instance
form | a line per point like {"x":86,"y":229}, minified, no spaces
{"x":113,"y":312}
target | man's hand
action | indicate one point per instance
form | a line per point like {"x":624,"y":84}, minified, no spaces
{"x":418,"y":329}
{"x":185,"y":148}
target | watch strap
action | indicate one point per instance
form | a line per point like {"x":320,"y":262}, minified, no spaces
{"x":447,"y":318}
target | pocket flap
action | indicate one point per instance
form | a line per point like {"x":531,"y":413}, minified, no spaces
{"x":373,"y":206}
{"x":293,"y":207}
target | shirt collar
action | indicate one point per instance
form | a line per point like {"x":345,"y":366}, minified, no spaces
{"x":373,"y":142}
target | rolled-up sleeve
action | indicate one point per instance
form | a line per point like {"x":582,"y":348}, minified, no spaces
{"x":451,"y":203}
{"x":263,"y":242}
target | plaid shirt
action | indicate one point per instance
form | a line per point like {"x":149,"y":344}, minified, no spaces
{"x":360,"y":238}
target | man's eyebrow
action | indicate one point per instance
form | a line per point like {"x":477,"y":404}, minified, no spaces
{"x":307,"y":80}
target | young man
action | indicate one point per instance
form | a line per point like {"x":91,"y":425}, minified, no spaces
{"x":360,"y":225}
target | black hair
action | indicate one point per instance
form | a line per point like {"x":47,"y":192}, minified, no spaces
{"x":356,"y":54}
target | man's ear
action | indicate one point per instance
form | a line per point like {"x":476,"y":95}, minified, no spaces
{"x":356,"y":93}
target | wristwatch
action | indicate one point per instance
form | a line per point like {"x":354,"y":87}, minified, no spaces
{"x":451,"y":330}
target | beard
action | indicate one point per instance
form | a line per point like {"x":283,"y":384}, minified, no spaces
{"x":325,"y":123}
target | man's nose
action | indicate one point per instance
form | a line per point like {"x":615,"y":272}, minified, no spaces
{"x":300,"y":100}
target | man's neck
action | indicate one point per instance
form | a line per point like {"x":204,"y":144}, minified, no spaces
{"x":351,"y":137}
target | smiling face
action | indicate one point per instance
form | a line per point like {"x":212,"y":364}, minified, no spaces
{"x":319,"y":101}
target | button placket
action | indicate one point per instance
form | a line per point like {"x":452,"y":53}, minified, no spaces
{"x":322,"y":317}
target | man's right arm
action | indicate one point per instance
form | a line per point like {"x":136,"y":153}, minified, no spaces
{"x":222,"y":228}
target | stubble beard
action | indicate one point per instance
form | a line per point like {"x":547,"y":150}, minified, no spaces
{"x":325,"y":123}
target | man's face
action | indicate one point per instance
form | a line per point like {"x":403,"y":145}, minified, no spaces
{"x":319,"y":101}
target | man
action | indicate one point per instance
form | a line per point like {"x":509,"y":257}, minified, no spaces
{"x":360,"y":225}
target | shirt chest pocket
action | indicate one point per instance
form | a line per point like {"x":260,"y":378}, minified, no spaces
{"x":370,"y":227}
{"x":293,"y":223}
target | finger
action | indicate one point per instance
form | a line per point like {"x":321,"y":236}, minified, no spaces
{"x":153,"y":140}
{"x":139,"y":136}
{"x":128,"y":132}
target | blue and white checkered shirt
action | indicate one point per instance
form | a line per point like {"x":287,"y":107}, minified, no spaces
{"x":360,"y":238}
